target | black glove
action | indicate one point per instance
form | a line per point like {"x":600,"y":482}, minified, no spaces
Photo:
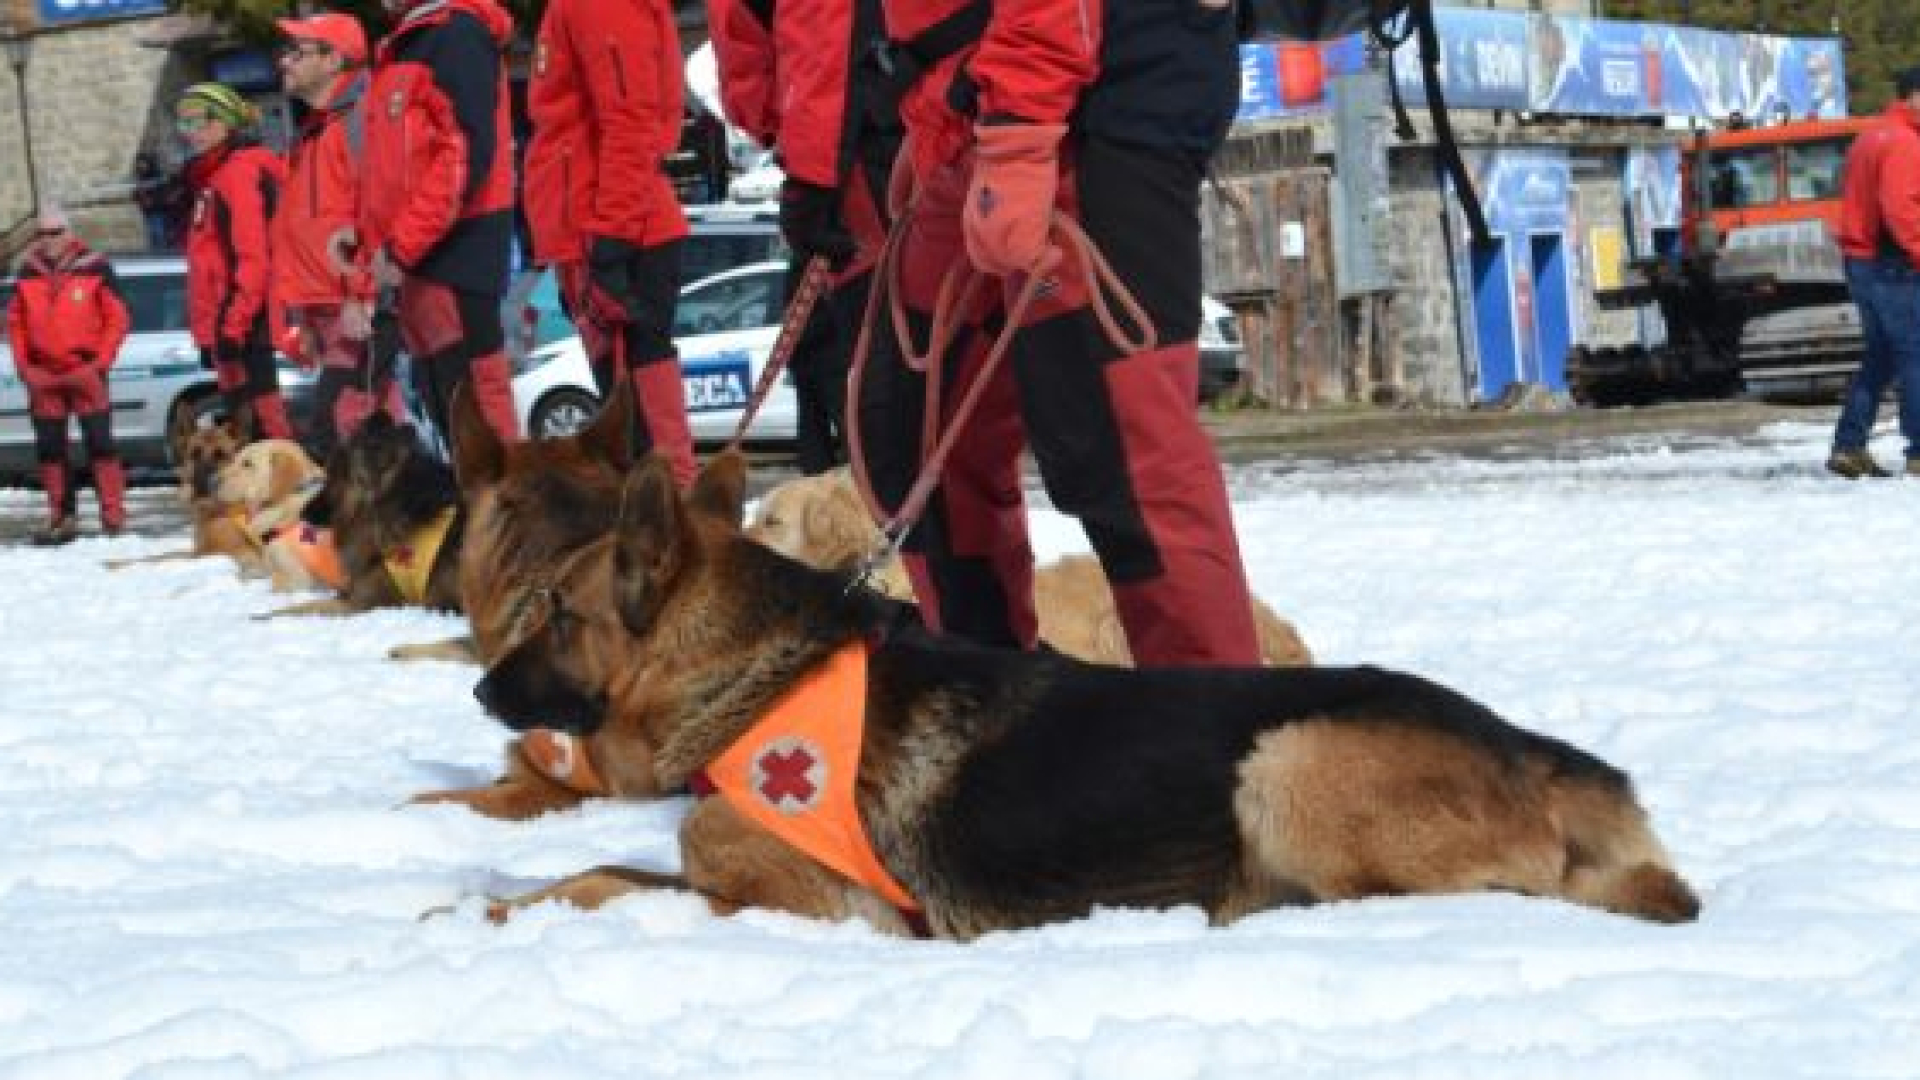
{"x":610,"y":270}
{"x":206,"y":357}
{"x":810,"y":221}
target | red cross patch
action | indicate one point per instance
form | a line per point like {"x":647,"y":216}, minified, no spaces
{"x":789,"y":774}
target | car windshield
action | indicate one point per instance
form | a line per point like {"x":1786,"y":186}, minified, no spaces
{"x":709,"y":252}
{"x":736,"y":303}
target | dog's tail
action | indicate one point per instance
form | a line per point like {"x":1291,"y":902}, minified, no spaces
{"x":1614,"y":862}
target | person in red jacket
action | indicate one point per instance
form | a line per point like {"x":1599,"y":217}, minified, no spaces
{"x":605,"y":100}
{"x":322,"y":65}
{"x":1880,"y":245}
{"x":1106,"y":113}
{"x":795,"y":77}
{"x":435,"y":216}
{"x":66,"y":324}
{"x":236,"y":184}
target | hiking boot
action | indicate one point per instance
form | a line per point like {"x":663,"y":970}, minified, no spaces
{"x":1854,"y":464}
{"x":1913,"y":468}
{"x":62,"y":531}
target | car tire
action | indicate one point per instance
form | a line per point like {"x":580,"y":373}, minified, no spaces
{"x":561,"y":413}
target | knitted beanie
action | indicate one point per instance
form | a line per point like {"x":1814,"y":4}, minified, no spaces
{"x":224,"y":104}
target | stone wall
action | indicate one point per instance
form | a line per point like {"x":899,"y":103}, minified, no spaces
{"x":96,"y":98}
{"x":1423,"y":336}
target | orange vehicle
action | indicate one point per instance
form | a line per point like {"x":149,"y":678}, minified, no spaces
{"x":1755,"y":298}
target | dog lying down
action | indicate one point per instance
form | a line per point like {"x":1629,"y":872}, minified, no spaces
{"x":271,"y":482}
{"x":959,"y":790}
{"x":200,"y":453}
{"x":821,"y":521}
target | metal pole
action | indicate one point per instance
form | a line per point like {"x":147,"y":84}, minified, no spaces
{"x":18,"y":47}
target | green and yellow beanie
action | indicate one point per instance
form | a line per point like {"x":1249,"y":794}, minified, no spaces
{"x":224,"y":104}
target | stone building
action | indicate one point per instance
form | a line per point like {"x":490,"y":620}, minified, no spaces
{"x":97,"y":81}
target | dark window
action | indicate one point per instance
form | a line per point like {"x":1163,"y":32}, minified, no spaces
{"x":156,"y":303}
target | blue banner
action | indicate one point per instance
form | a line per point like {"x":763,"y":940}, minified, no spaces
{"x":1487,"y":57}
{"x":67,"y":11}
{"x":1596,"y":67}
{"x":1569,"y":65}
{"x":1292,"y":78}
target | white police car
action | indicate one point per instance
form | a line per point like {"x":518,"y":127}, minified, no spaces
{"x":725,"y":327}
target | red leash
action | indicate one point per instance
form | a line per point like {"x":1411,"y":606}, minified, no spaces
{"x":814,"y":281}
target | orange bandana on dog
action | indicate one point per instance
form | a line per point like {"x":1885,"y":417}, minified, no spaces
{"x":793,"y":772}
{"x":314,"y":546}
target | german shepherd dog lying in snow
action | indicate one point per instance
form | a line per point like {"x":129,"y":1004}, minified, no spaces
{"x":528,"y":504}
{"x":996,"y":789}
{"x":199,"y":455}
{"x":396,"y":520}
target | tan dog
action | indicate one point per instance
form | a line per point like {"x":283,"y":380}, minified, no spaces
{"x":199,"y":454}
{"x":853,"y":765}
{"x":821,"y":521}
{"x":271,"y":481}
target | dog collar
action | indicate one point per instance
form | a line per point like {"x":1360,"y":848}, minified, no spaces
{"x":794,"y":772}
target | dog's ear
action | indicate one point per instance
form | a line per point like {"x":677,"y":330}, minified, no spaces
{"x":180,"y":431}
{"x":479,"y":457}
{"x":240,"y":422}
{"x":610,"y":437}
{"x":721,"y":487}
{"x":651,"y":542}
{"x":839,"y":521}
{"x":286,"y":471}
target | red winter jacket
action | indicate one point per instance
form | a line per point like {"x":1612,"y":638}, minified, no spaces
{"x":66,"y":313}
{"x":606,"y":102}
{"x":743,"y":49}
{"x":798,"y":105}
{"x":236,"y":187}
{"x":1163,"y":74}
{"x":318,"y":200}
{"x":437,"y":183}
{"x":1880,"y":189}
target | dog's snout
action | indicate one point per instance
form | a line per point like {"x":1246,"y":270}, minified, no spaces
{"x":206,"y":476}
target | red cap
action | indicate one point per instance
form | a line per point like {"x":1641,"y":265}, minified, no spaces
{"x":342,"y":32}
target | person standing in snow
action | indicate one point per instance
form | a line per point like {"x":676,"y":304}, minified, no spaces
{"x":1103,"y":114}
{"x":606,"y":104}
{"x":802,"y":76}
{"x":435,"y":215}
{"x":1880,"y":242}
{"x":236,"y":184}
{"x":322,"y":66}
{"x":66,"y":324}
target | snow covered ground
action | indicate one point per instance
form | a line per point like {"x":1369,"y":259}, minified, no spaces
{"x":204,"y":872}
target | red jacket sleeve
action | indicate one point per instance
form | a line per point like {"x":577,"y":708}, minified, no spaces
{"x":113,"y":320}
{"x":1900,"y":193}
{"x":630,"y":61}
{"x":743,"y":50}
{"x":243,"y":192}
{"x":20,"y":340}
{"x":813,"y":39}
{"x":1037,"y":57}
{"x":433,"y":203}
